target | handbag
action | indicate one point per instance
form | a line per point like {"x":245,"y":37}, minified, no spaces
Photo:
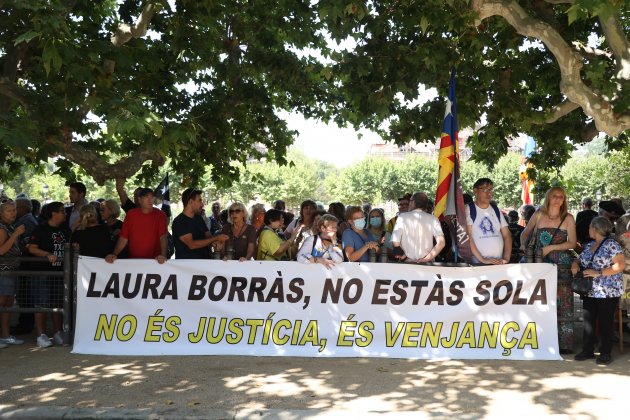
{"x":580,"y":283}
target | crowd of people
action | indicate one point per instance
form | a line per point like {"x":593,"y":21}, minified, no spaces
{"x":593,"y":242}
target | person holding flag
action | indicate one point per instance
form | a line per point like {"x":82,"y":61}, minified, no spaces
{"x":449,"y":199}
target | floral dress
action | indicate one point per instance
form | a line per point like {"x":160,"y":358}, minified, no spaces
{"x":603,"y":286}
{"x":564,"y":294}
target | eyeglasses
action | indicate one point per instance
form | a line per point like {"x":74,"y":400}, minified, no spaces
{"x":5,"y":200}
{"x":235,"y":210}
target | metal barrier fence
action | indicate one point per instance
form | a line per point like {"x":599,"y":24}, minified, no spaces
{"x":38,"y":290}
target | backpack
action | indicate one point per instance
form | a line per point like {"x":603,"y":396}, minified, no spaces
{"x":473,"y":211}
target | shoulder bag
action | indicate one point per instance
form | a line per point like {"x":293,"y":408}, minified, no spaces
{"x":580,"y":283}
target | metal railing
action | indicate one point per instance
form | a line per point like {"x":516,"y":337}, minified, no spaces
{"x":26,"y":303}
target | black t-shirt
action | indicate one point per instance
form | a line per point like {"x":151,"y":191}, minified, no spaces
{"x":95,"y":241}
{"x":50,"y":239}
{"x":183,"y":225}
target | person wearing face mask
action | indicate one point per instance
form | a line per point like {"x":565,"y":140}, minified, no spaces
{"x":357,"y":240}
{"x":414,"y":232}
{"x":376,"y":224}
{"x":322,"y":248}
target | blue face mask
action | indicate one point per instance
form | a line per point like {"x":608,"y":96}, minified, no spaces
{"x":359,"y":224}
{"x":375,"y":221}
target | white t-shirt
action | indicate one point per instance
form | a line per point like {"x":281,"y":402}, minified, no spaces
{"x":486,"y":232}
{"x":414,"y":230}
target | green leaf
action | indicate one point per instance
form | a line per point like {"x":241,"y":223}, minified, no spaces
{"x":424,"y":24}
{"x":25,"y":37}
{"x":573,"y":13}
{"x":50,"y":56}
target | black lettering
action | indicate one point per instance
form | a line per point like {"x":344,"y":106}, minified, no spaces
{"x":151,"y":282}
{"x":357,"y":294}
{"x":331,"y":290}
{"x":399,"y":289}
{"x":91,"y":292}
{"x":197,"y":287}
{"x":127,"y":294}
{"x":295,"y":286}
{"x":539,"y":293}
{"x":238,"y":285}
{"x":418,"y":285}
{"x":217,"y":295}
{"x":112,"y":287}
{"x":456,"y":294}
{"x":378,"y":290}
{"x":437,"y":294}
{"x":170,"y":288}
{"x":498,"y":300}
{"x":483,"y":292}
{"x":276,"y":292}
{"x":257,"y":287}
{"x":518,"y":300}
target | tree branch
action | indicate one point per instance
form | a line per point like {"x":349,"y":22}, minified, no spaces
{"x":125,"y":32}
{"x":556,"y":113}
{"x":569,"y":62}
{"x":590,"y":52}
{"x":618,"y":44}
{"x":12,"y":91}
{"x":101,"y":170}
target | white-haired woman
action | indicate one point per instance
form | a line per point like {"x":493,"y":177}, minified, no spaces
{"x":604,"y":261}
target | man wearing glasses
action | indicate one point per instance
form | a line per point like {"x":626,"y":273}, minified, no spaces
{"x":491,"y":241}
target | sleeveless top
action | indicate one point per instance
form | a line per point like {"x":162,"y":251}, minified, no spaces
{"x":13,"y":252}
{"x":545,"y":237}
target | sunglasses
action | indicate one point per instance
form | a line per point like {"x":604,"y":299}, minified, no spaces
{"x":5,"y":200}
{"x":235,"y":210}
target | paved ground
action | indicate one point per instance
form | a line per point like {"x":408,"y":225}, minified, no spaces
{"x":54,"y":383}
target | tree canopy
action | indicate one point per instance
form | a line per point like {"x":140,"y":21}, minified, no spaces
{"x":115,"y":86}
{"x":554,"y":69}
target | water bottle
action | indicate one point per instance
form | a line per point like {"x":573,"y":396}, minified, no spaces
{"x":229,"y":252}
{"x":538,"y":258}
{"x":371,"y":255}
{"x":384,"y":256}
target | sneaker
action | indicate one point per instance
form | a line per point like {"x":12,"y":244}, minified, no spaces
{"x":11,"y":340}
{"x":43,"y":341}
{"x":603,"y":359}
{"x":58,"y":338}
{"x":583,"y":356}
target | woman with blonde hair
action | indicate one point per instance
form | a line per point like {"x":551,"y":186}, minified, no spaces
{"x":92,"y":238}
{"x":110,"y":212}
{"x":242,"y":236}
{"x":552,"y":228}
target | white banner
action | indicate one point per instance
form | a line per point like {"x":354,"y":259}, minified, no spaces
{"x":139,"y":307}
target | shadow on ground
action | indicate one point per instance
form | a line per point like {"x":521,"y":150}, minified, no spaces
{"x":467,"y":389}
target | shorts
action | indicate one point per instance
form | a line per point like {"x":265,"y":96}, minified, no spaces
{"x":47,"y":292}
{"x":7,"y":284}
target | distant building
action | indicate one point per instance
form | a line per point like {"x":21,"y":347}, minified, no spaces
{"x":393,"y":152}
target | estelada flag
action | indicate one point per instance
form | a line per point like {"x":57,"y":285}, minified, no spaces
{"x":162,"y":190}
{"x":449,"y":199}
